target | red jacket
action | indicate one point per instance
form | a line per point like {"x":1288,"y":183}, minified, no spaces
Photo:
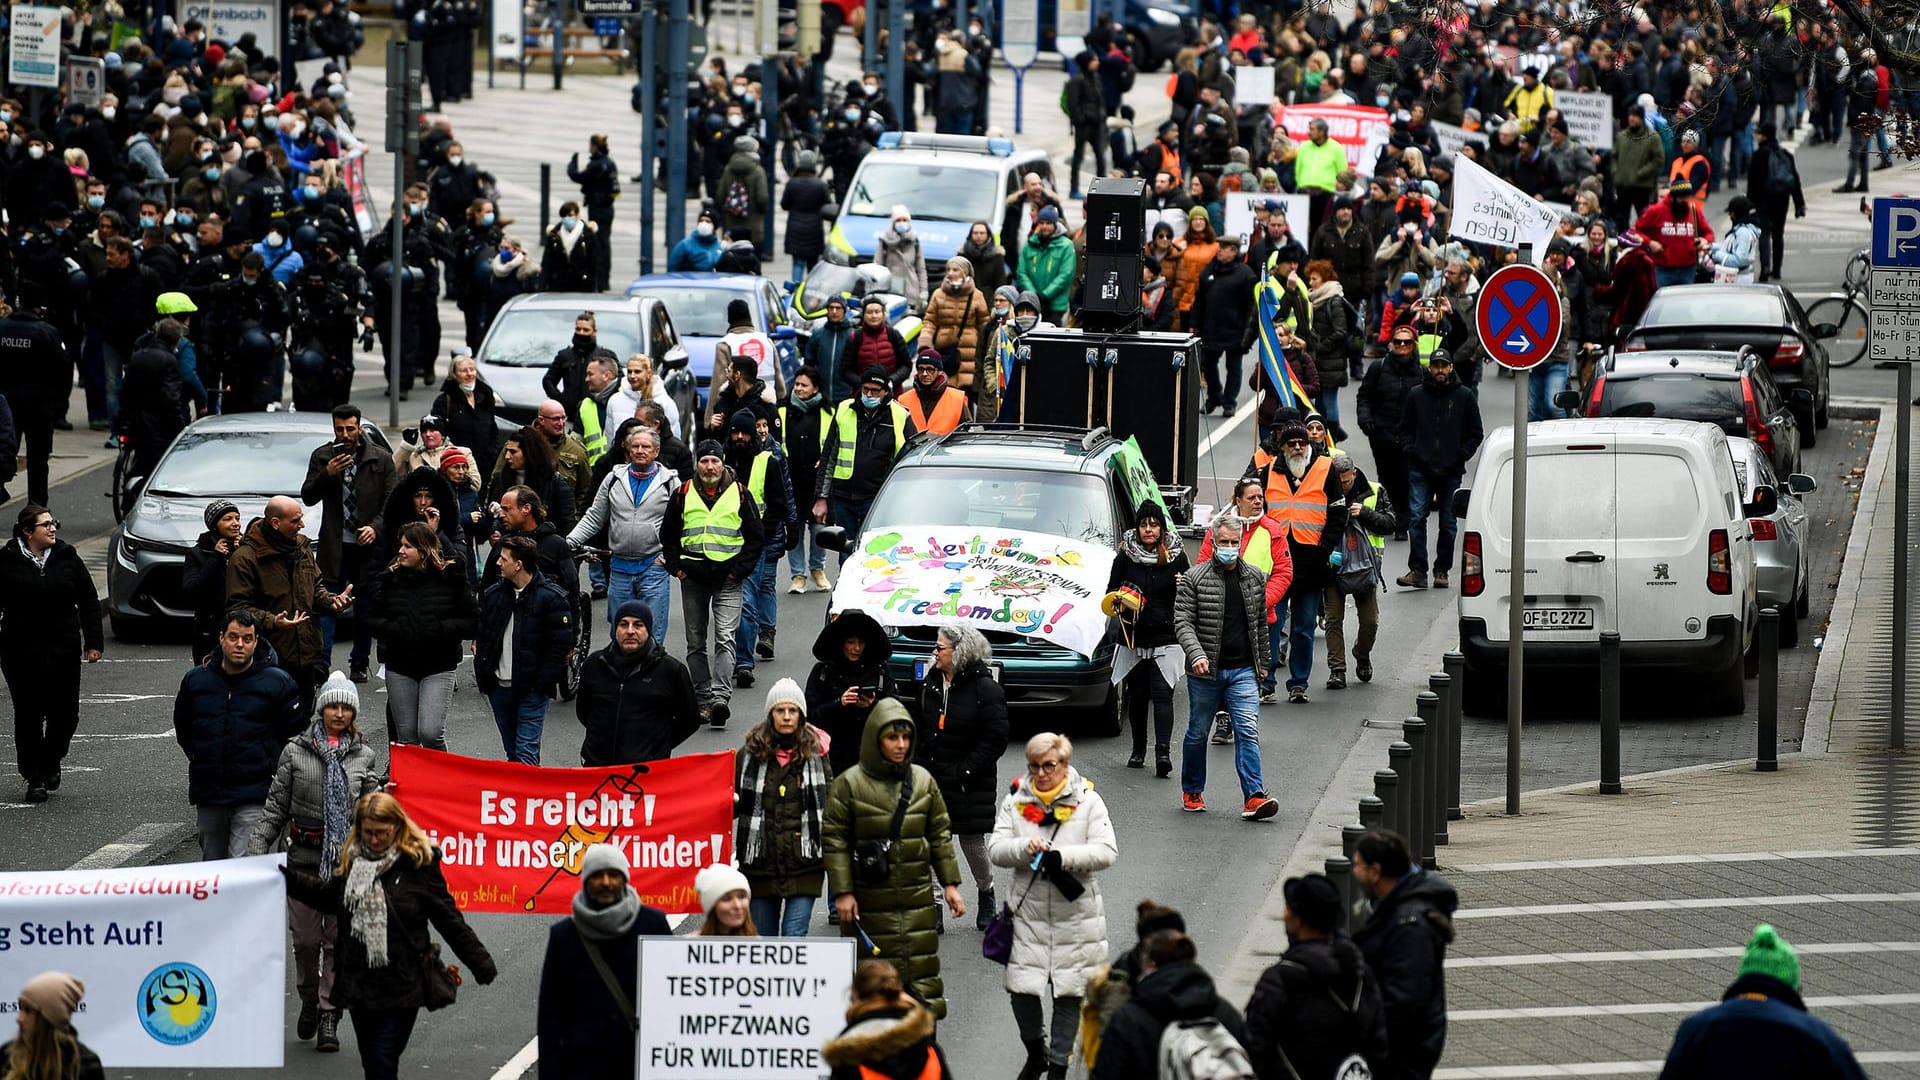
{"x":1675,"y":237}
{"x":1628,"y":293}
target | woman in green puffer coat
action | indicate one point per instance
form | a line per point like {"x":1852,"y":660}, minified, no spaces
{"x":893,"y":911}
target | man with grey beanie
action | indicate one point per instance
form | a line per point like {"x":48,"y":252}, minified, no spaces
{"x":586,"y":1019}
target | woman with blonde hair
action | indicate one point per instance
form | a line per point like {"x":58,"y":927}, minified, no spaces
{"x":420,"y":611}
{"x":726,"y":897}
{"x":386,"y":891}
{"x":47,"y":1047}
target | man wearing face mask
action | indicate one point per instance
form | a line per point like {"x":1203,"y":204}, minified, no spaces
{"x":1219,"y":619}
{"x":846,"y":137}
{"x":875,"y":90}
{"x":699,"y":249}
{"x":454,"y":185}
{"x":931,"y":403}
{"x":1440,"y":431}
{"x":250,"y":314}
{"x":425,"y":244}
{"x":826,"y":351}
{"x":283,"y":262}
{"x":37,"y":180}
{"x":477,"y":241}
{"x":1676,"y":229}
{"x":868,"y":434}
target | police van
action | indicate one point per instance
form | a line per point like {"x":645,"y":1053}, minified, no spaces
{"x":1631,"y":525}
{"x":947,"y":182}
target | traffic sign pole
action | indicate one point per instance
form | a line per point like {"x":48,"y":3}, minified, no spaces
{"x":1895,"y":321}
{"x":1517,"y":587}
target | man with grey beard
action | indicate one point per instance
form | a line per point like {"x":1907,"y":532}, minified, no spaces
{"x":1304,"y":496}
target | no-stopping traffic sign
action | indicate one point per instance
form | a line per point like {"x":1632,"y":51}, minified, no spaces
{"x":1518,"y":317}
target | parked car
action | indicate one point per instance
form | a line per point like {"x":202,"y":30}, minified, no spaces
{"x":243,"y":457}
{"x":1731,"y":389}
{"x":698,"y":301}
{"x":532,"y":327}
{"x":1780,"y":534}
{"x":1633,"y":526}
{"x":1725,"y":317}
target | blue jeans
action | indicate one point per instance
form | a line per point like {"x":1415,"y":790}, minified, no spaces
{"x":1664,"y":276}
{"x":382,"y":1035}
{"x":1420,"y":488}
{"x":851,"y":515}
{"x":1235,"y":689}
{"x":1330,"y":407}
{"x":1544,"y":381}
{"x":807,"y":554}
{"x":1303,"y":614}
{"x":790,"y":914}
{"x":653,"y":584}
{"x":759,"y":606}
{"x":520,"y":716}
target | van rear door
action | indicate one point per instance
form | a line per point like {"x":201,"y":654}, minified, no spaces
{"x":1662,"y":544}
{"x":1572,"y":501}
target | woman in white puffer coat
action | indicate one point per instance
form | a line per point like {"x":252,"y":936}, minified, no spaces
{"x":1054,"y":829}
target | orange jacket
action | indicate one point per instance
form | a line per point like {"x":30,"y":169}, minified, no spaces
{"x":1282,"y":574}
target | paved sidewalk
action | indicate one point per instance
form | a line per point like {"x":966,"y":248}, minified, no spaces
{"x":74,"y":452}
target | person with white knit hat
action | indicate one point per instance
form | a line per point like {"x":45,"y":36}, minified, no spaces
{"x":726,"y":897}
{"x":780,"y":791}
{"x":47,"y":1004}
{"x":585,"y":1015}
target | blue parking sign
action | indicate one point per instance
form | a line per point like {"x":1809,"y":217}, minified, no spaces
{"x":1896,"y":233}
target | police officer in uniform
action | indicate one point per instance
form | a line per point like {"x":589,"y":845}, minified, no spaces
{"x":251,"y":317}
{"x":426,"y":243}
{"x":327,"y":295}
{"x":35,"y":378}
{"x":599,"y":182}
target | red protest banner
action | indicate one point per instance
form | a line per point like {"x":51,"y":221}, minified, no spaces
{"x":1361,"y":130}
{"x":511,"y":835}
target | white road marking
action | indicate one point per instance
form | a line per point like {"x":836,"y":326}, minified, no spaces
{"x":119,"y":699}
{"x":1629,"y":956}
{"x":1671,"y":860}
{"x":1661,"y":1008}
{"x":124,"y":736}
{"x":1221,"y":429}
{"x":138,"y":839}
{"x":1624,"y":1068}
{"x":1685,"y":904}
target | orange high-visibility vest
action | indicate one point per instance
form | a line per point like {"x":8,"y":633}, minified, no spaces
{"x":947,"y":414}
{"x":1302,"y":509}
{"x":1683,"y":170}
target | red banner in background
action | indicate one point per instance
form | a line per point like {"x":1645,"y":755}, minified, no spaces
{"x":511,"y":835}
{"x":1361,"y":130}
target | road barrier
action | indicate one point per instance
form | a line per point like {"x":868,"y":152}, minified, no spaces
{"x":1609,"y":712}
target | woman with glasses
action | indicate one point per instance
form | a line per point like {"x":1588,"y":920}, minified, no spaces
{"x":49,"y":619}
{"x":1054,"y":830}
{"x":963,"y":725}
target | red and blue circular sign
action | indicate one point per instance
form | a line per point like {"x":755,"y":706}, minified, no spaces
{"x":1519,"y":317}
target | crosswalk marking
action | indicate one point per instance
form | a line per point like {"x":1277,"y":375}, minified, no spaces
{"x":1631,"y":956}
{"x":1676,"y":860}
{"x":1624,"y":1068}
{"x":1692,"y":903}
{"x":1664,"y":1008}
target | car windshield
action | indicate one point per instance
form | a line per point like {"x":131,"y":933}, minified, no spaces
{"x":528,"y":337}
{"x":937,"y":192}
{"x":1061,"y":504}
{"x":824,"y":282}
{"x":1676,"y":397}
{"x":236,"y":463}
{"x":697,"y":312}
{"x":1678,"y":309}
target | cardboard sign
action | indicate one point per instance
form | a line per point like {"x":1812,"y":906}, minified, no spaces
{"x":1252,"y":86}
{"x":728,"y":1008}
{"x":33,"y":57}
{"x":1589,"y":117}
{"x":1239,"y":212}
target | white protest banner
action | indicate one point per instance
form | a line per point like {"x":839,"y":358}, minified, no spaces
{"x":1252,"y":86}
{"x":1027,"y":583}
{"x":1589,"y":117}
{"x":1533,"y":61}
{"x":33,"y":57}
{"x":740,"y":1008}
{"x":1239,"y":212}
{"x":1451,"y":137}
{"x":1488,"y":210}
{"x":185,"y":965}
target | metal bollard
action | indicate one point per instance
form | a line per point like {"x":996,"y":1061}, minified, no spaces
{"x":1400,"y":813}
{"x":1339,"y":870}
{"x":1433,"y":807}
{"x":1373,"y":815}
{"x":1419,"y":799}
{"x":1609,"y":712}
{"x":1350,"y":836}
{"x":1386,"y":789}
{"x":1769,"y":757}
{"x":546,"y":181}
{"x":1455,"y":665}
{"x":1441,"y":751}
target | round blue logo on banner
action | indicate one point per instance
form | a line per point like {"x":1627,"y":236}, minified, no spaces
{"x":177,"y":1003}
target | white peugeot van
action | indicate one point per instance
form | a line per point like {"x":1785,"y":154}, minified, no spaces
{"x":1632,"y":525}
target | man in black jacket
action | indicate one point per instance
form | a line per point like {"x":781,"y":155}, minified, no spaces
{"x":868,"y":432}
{"x":523,"y":514}
{"x":711,"y":539}
{"x":1381,"y":401}
{"x":153,"y":403}
{"x":520,"y":651}
{"x":1087,"y":112}
{"x":1405,"y":943}
{"x":36,"y":380}
{"x":1439,"y":431}
{"x":566,"y":377}
{"x":585,"y":1024}
{"x":351,"y":479}
{"x":231,"y":716}
{"x":1222,"y":310}
{"x":1319,"y":1006}
{"x":635,"y":701}
{"x":1172,"y":988}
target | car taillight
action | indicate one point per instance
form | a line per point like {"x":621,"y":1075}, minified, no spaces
{"x":1763,"y":529}
{"x":1788,"y":354}
{"x":1757,"y":428}
{"x":1634,"y":346}
{"x":1473,"y":576}
{"x":1593,"y":398}
{"x":1719,"y":563}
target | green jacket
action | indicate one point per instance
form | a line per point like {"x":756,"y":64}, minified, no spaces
{"x":896,"y":915}
{"x":1319,"y":166}
{"x":1047,"y":270}
{"x":1639,"y":159}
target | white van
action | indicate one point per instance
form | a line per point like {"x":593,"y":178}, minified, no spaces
{"x":1632,"y":525}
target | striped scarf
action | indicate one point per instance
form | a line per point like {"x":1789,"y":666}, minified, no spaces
{"x":753,"y":810}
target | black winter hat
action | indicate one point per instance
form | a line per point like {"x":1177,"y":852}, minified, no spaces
{"x":1149,"y":511}
{"x":1314,"y":901}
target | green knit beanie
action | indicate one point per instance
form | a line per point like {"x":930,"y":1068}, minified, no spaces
{"x":1769,"y":954}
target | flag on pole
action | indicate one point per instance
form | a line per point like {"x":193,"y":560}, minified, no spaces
{"x":1280,"y":377}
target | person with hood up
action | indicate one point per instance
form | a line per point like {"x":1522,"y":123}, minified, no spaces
{"x":881,"y":876}
{"x":744,"y":193}
{"x":701,"y":248}
{"x":585,"y":1012}
{"x":322,"y":774}
{"x":1761,"y":1029}
{"x":420,"y":611}
{"x":898,"y":249}
{"x":889,"y":1035}
{"x":272,"y":574}
{"x":849,"y":676}
{"x":48,"y":1048}
{"x":1319,"y":1007}
{"x":636,"y":702}
{"x":780,"y":790}
{"x":1048,"y":265}
{"x":1736,"y":256}
{"x":1053,"y":829}
{"x":1140,"y":590}
{"x":422,"y":496}
{"x":711,"y":539}
{"x":230,"y":717}
{"x":1172,"y":988}
{"x":1405,"y":943}
{"x":204,"y":579}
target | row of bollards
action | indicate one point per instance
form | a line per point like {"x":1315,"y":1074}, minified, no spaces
{"x":1419,"y":790}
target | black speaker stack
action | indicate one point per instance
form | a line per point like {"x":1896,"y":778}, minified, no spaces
{"x":1116,"y":212}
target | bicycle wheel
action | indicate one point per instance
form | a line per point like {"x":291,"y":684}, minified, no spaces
{"x":121,"y":498}
{"x":582,"y":645}
{"x":1850,"y":344}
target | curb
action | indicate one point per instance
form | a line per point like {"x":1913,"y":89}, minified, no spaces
{"x":1817,"y":733}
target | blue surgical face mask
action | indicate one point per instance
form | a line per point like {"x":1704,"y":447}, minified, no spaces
{"x":1226,"y":556}
{"x":869,"y":402}
{"x":570,"y":224}
{"x":183,"y":218}
{"x":247,"y":122}
{"x":147,"y":222}
{"x":95,"y":202}
{"x":486,"y":218}
{"x":59,"y":230}
{"x":506,"y":256}
{"x":413,"y":209}
{"x":852,"y":115}
{"x":211,"y":174}
{"x":902,"y":227}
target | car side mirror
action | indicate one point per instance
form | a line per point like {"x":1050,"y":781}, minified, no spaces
{"x":1567,"y":399}
{"x":1800,"y":395}
{"x":1826,"y":330}
{"x":675,"y":360}
{"x":1460,"y":502}
{"x":1765,"y":503}
{"x":1801,"y":484}
{"x":834,"y":538}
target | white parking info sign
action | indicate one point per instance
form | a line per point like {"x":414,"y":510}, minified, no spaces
{"x":740,"y":1008}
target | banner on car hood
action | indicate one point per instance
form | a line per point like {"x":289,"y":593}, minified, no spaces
{"x":1016,"y":582}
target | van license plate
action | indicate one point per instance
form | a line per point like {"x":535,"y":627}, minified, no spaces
{"x":1579,"y":618}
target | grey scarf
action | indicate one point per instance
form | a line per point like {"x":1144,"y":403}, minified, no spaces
{"x":367,"y":901}
{"x":753,"y":811}
{"x":1140,"y":553}
{"x":607,"y":923}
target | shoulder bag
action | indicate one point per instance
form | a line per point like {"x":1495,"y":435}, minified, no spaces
{"x":997,"y":945}
{"x":873,"y":859}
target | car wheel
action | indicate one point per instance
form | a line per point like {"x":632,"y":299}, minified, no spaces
{"x":1726,"y":692}
{"x":1484,"y":693}
{"x":1143,"y":58}
{"x":1820,"y":418}
{"x":1109,"y":718}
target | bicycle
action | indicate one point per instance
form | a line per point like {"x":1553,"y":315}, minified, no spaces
{"x":1846,"y":311}
{"x":122,"y":495}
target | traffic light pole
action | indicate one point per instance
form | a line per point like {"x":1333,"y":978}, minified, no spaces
{"x":649,"y":130}
{"x":403,"y":138}
{"x":897,"y":59}
{"x":676,"y":122}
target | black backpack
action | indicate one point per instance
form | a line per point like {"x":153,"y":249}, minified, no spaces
{"x":1782,"y":178}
